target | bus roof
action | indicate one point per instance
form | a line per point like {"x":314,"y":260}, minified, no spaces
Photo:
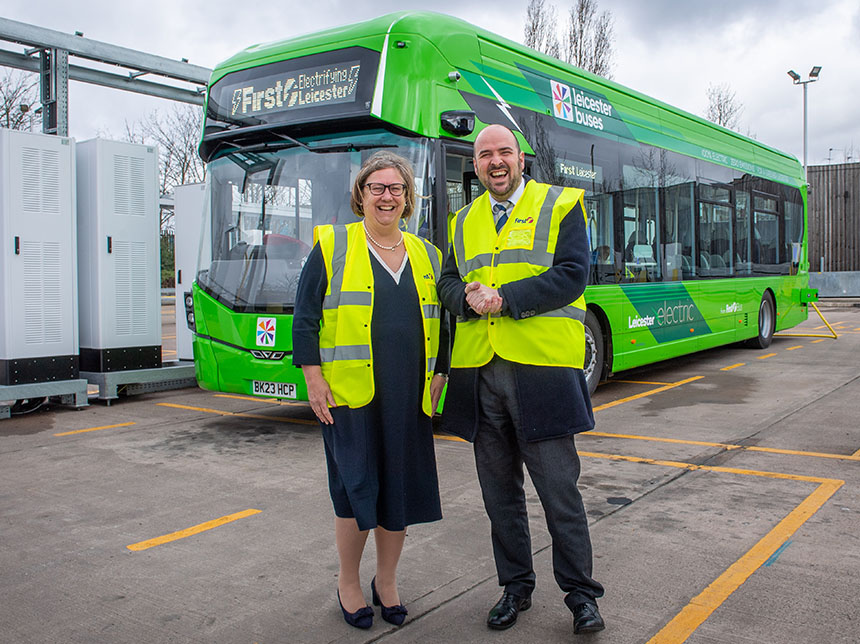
{"x":426,"y":46}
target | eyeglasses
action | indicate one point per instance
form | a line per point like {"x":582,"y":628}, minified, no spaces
{"x":396,"y":189}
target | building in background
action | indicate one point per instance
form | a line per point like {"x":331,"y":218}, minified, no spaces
{"x":834,"y":217}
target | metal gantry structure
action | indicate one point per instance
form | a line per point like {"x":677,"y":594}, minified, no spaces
{"x":47,"y":53}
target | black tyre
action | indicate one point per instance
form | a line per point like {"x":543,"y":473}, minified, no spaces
{"x":594,"y":351}
{"x":766,"y":323}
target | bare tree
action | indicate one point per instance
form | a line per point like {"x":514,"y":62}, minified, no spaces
{"x":588,"y":41}
{"x":176,"y":132}
{"x":19,"y":101}
{"x":723,"y":106}
{"x":539,"y":30}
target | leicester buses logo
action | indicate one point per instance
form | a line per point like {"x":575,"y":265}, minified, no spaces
{"x":562,"y":102}
{"x":266,"y":332}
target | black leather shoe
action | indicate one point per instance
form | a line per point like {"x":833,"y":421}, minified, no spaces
{"x":587,"y":619}
{"x":504,"y":614}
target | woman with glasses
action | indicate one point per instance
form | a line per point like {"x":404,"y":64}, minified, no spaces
{"x":367,"y":333}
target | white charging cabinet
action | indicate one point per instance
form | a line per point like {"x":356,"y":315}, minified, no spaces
{"x":189,"y":208}
{"x":38,"y":287}
{"x":119,"y":267}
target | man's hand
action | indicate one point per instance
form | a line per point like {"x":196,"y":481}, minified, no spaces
{"x":483,"y":299}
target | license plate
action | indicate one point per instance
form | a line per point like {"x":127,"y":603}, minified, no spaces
{"x":276,"y":389}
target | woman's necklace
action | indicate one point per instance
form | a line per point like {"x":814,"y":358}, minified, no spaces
{"x":370,"y":237}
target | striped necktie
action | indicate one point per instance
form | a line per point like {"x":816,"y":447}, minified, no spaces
{"x":500,"y":211}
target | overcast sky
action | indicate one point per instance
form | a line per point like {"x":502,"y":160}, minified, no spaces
{"x":669,"y":49}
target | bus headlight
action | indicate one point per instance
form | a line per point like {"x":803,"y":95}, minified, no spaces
{"x":189,"y":310}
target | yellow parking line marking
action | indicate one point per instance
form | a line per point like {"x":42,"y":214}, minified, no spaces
{"x":274,"y":401}
{"x":660,"y":440}
{"x":819,"y":340}
{"x":733,"y":366}
{"x":727,"y":446}
{"x":835,"y":325}
{"x":168,"y":337}
{"x":647,"y":393}
{"x":799,"y":346}
{"x":300,"y":421}
{"x":642,"y":382}
{"x":856,"y":454}
{"x":167,"y":351}
{"x":796,"y":452}
{"x":188,"y":532}
{"x":702,"y":605}
{"x":94,"y":429}
{"x":717,"y":592}
{"x":767,"y":355}
{"x":712,"y":468}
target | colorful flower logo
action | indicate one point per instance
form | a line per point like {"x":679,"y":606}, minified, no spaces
{"x":266,"y":332}
{"x":562,"y":102}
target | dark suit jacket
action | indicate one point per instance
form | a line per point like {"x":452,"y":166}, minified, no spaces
{"x":554,"y":401}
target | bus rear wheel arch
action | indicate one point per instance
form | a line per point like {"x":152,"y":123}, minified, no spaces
{"x":766,"y":323}
{"x":595,"y":351}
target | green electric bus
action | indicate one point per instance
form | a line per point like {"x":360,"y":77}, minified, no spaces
{"x":697,"y":234}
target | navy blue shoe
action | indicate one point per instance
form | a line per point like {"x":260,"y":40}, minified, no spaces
{"x":362,"y":618}
{"x":391,"y":614}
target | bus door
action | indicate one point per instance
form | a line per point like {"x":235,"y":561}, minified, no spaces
{"x":460,"y":187}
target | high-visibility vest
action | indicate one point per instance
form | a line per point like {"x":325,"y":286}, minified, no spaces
{"x":524,"y":247}
{"x":346,"y":353}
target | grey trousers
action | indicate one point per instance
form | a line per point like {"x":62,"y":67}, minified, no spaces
{"x":553,"y":466}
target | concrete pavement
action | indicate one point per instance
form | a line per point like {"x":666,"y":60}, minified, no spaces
{"x":723,"y":491}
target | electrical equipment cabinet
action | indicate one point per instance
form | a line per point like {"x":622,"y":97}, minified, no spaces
{"x":119,"y":268}
{"x":189,"y":204}
{"x":38,"y":286}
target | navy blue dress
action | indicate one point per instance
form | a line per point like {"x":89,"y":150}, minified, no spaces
{"x":381,"y":459}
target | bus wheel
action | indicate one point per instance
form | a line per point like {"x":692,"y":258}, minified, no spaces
{"x":766,"y":323}
{"x":593,"y":351}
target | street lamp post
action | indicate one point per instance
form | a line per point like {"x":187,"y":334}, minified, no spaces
{"x":795,"y":77}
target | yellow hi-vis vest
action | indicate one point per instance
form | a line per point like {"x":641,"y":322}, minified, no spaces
{"x":525,"y":247}
{"x":346,"y":354}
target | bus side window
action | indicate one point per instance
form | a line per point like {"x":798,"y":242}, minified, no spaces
{"x":640,"y":228}
{"x":599,"y":228}
{"x":677,"y":220}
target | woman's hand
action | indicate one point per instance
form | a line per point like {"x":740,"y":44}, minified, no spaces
{"x":437,"y":386}
{"x":319,"y":393}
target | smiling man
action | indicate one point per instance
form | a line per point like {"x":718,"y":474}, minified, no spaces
{"x":515,"y":277}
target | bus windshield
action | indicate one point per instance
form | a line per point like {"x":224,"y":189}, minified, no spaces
{"x":264,"y":205}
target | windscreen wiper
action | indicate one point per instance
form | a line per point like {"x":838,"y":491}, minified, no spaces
{"x":348,"y":147}
{"x":290,"y":142}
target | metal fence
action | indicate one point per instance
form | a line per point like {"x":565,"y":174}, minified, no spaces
{"x":834,"y":217}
